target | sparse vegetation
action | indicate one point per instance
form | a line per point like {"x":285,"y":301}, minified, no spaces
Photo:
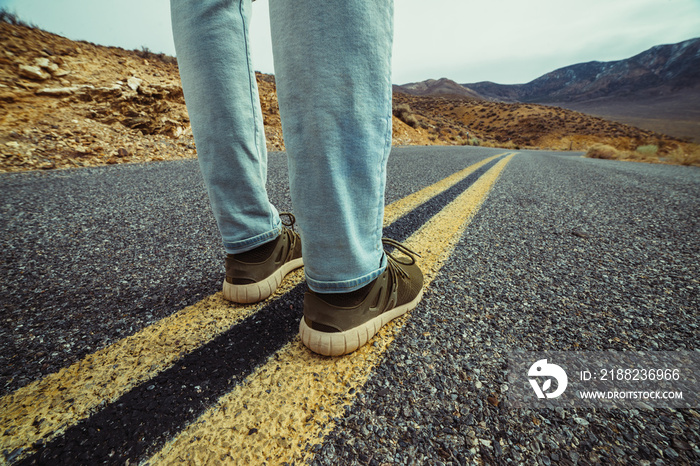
{"x":690,"y":155}
{"x":648,"y":150}
{"x":404,"y":113}
{"x":603,"y":151}
{"x":12,"y":18}
{"x":146,"y":54}
{"x":686,"y":154}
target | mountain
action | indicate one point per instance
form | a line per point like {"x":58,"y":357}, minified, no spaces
{"x":658,"y":89}
{"x":441,"y":86}
{"x":661,"y":70}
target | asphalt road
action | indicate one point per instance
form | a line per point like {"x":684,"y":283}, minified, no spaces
{"x":565,"y":253}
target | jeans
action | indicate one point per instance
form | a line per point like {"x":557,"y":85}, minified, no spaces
{"x":333,"y":73}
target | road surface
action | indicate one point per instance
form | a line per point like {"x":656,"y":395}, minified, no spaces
{"x":117,"y":347}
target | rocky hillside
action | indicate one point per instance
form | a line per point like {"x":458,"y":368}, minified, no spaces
{"x":458,"y":120}
{"x":72,"y":104}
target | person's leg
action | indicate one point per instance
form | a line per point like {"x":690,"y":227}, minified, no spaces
{"x":218,"y":80}
{"x":333,"y":73}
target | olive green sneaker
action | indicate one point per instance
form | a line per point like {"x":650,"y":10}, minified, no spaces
{"x":253,"y":276}
{"x":339,"y":323}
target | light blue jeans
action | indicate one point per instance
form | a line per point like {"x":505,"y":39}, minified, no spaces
{"x":333,"y":75}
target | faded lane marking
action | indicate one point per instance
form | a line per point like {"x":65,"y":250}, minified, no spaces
{"x":288,"y":404}
{"x":45,"y":408}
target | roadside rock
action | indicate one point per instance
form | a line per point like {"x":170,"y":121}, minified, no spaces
{"x":33,"y":72}
{"x":105,"y":92}
{"x":8,"y":97}
{"x":58,"y":91}
{"x":134,"y":83}
{"x":56,"y":71}
{"x":42,"y":63}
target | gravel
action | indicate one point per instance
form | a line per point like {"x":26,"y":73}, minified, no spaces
{"x":567,"y":254}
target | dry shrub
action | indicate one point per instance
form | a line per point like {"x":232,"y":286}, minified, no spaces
{"x":648,"y":150}
{"x":146,"y":54}
{"x":403,"y":112}
{"x":689,"y":155}
{"x":603,"y":151}
{"x":7,"y":16}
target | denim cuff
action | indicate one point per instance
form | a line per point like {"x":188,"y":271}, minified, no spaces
{"x":237,"y":247}
{"x":346,"y":286}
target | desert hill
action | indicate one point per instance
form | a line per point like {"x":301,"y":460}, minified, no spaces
{"x":71,"y":104}
{"x":442,"y":86}
{"x":453,"y":119}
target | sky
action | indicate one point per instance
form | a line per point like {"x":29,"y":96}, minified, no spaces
{"x":504,"y":41}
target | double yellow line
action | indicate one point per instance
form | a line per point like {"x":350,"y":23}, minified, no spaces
{"x":288,"y":402}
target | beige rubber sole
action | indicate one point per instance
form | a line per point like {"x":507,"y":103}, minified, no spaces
{"x":338,"y":344}
{"x":256,"y":292}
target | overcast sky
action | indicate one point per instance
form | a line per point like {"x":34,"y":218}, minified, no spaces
{"x":505,"y":41}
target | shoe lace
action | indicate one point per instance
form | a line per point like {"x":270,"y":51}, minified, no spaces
{"x":392,"y":261}
{"x":291,"y":219}
{"x":291,"y":234}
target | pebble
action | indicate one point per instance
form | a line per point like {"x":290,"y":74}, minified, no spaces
{"x":581,"y":421}
{"x":671,"y":453}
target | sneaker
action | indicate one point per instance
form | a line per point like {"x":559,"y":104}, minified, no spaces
{"x":253,"y":276}
{"x":339,"y":323}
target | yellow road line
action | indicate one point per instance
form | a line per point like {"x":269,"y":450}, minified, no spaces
{"x":64,"y":398}
{"x":287,"y":405}
{"x":45,"y":408}
{"x":398,"y":208}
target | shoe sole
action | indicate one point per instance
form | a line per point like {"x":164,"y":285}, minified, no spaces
{"x":340,"y":343}
{"x":256,"y":292}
